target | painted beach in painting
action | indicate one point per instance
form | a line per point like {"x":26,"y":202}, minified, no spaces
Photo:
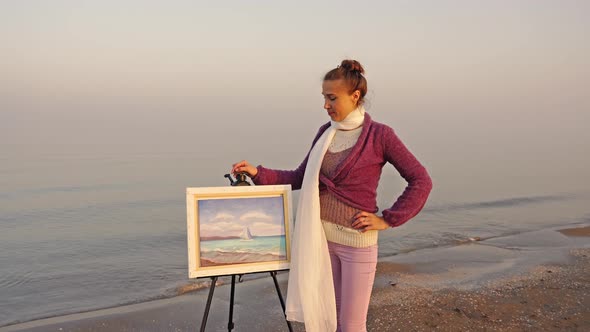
{"x":241,"y":230}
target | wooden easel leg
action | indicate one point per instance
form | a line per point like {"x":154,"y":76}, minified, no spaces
{"x":208,"y":306}
{"x":274,"y":278}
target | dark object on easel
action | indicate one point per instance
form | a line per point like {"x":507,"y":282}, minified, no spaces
{"x":240,"y":181}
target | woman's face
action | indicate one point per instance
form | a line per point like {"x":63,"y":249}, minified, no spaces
{"x":337,"y":101}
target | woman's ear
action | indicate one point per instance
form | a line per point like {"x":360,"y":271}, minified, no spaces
{"x":356,"y":95}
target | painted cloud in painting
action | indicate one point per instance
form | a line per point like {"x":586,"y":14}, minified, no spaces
{"x":264,"y":216}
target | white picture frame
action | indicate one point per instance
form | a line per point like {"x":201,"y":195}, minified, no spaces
{"x":237,"y":230}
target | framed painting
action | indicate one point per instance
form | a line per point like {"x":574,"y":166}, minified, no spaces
{"x":236,"y":230}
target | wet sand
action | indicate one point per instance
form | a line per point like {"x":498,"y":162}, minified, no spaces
{"x":535,"y":281}
{"x":582,"y":231}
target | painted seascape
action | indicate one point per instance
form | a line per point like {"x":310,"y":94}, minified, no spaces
{"x":241,"y":230}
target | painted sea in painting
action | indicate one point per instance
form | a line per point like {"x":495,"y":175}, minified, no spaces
{"x":237,"y":251}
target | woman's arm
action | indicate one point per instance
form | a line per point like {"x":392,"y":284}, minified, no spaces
{"x":414,"y":197}
{"x":267,"y":176}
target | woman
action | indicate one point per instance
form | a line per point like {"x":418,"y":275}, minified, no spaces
{"x":336,"y":226}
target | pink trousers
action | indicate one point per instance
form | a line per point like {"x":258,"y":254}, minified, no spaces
{"x":353,"y":270}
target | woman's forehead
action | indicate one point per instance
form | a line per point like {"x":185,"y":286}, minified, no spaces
{"x":333,"y":87}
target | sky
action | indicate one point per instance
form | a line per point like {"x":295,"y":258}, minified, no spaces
{"x":484,"y":81}
{"x":61,"y":55}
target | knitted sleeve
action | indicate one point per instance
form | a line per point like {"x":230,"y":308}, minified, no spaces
{"x":267,"y":176}
{"x":414,"y":197}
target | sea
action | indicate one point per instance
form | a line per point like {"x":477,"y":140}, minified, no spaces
{"x":96,"y":218}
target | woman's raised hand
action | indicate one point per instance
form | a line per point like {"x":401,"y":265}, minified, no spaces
{"x":244,"y":167}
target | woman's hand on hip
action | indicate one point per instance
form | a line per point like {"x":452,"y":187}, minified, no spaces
{"x":365,"y":221}
{"x":244,"y":167}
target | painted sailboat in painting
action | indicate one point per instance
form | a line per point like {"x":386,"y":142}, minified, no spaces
{"x":246,"y":235}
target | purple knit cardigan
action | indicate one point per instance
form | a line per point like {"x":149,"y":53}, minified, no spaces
{"x":355,"y":180}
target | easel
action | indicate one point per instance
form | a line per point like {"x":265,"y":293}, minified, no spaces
{"x":240,"y":181}
{"x":230,"y":324}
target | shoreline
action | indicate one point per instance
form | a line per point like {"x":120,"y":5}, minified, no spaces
{"x":471,"y":286}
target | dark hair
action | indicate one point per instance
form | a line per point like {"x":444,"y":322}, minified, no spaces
{"x":351,"y":72}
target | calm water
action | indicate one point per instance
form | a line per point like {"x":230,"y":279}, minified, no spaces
{"x":87,"y":226}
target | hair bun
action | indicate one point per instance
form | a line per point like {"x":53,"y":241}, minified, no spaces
{"x":352,"y":65}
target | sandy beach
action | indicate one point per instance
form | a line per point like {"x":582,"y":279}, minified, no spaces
{"x":534,"y":281}
{"x":553,"y":297}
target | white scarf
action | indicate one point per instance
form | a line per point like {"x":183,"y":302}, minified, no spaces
{"x":311,"y":288}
